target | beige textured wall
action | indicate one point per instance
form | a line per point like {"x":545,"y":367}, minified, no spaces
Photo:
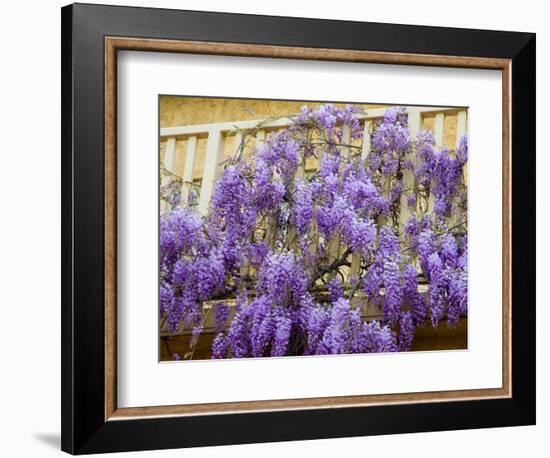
{"x":449,"y":129}
{"x":182,"y":111}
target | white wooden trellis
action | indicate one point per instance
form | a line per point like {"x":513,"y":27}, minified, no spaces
{"x":216,"y":136}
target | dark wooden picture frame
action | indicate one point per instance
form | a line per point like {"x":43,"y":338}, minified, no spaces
{"x":91,"y":37}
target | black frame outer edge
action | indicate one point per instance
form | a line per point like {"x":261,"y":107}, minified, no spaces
{"x":523,"y":134}
{"x":67,"y":412}
{"x":83,"y":427}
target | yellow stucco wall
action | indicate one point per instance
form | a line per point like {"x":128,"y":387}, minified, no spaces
{"x":184,"y":111}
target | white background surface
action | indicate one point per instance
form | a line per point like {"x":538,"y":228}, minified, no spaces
{"x":142,"y":76}
{"x":30,"y":229}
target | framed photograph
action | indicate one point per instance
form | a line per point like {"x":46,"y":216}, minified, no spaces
{"x":283,"y":228}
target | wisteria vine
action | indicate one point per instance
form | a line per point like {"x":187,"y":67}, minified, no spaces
{"x":289,"y":259}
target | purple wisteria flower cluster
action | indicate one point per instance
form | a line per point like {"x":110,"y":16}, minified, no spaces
{"x":289,"y":259}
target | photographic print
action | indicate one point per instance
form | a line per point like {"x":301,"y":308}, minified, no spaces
{"x":302,"y":228}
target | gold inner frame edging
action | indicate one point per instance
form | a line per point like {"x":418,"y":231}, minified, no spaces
{"x":112,"y":45}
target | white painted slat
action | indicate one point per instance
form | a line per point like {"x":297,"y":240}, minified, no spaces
{"x":260,"y":138}
{"x":170,"y":154}
{"x":439,"y":130}
{"x":271,"y":231}
{"x":365,"y":149}
{"x":461,"y":125}
{"x":334,"y":247}
{"x":169,"y":159}
{"x":355,"y":264}
{"x":414,"y":122}
{"x":245,"y":267}
{"x":238,"y":141}
{"x":299,"y":174}
{"x":461,"y":130}
{"x":346,"y":140}
{"x":301,"y":169}
{"x":439,"y":127}
{"x":188,"y":169}
{"x":271,"y":224}
{"x":214,"y":155}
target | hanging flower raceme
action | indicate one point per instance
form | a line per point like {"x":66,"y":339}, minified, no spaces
{"x":303,"y":207}
{"x":282,"y":279}
{"x":390,"y":142}
{"x":416,"y":301}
